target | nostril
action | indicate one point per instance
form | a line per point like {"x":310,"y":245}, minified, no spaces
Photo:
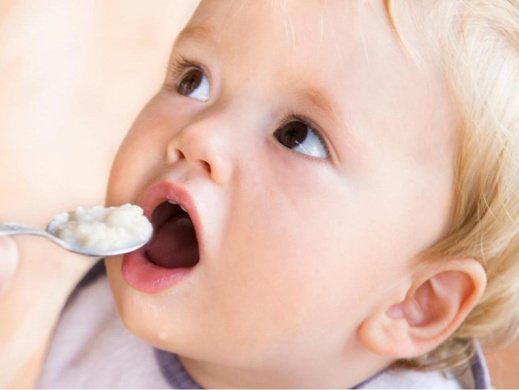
{"x":207,"y":166}
{"x":174,"y":153}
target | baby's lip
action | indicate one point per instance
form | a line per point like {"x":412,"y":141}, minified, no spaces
{"x":164,"y":191}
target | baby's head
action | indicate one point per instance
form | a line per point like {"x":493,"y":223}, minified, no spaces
{"x":349,"y":173}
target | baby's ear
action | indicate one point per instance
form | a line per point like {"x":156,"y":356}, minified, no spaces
{"x":436,"y":303}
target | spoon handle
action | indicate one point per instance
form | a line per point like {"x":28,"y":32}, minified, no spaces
{"x":16,"y":229}
{"x":13,"y":229}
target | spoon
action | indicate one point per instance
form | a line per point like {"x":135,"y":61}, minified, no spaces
{"x":13,"y":229}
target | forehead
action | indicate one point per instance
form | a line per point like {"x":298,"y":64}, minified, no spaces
{"x":324,"y":38}
{"x":292,"y":28}
{"x":295,"y":39}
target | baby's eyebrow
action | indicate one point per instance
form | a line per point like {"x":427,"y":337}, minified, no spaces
{"x":316,"y":98}
{"x":197,"y":34}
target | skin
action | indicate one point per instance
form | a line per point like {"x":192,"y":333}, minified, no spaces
{"x":298,"y":252}
{"x":8,"y":262}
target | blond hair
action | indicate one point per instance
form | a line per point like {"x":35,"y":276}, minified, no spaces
{"x":478,"y":42}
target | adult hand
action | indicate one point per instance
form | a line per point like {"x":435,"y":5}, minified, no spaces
{"x":8,"y":262}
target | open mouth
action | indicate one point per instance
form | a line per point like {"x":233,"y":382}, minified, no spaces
{"x":174,"y":243}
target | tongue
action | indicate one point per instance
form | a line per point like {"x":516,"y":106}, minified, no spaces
{"x":174,"y":245}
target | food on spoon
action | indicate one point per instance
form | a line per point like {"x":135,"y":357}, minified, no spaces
{"x":102,"y":229}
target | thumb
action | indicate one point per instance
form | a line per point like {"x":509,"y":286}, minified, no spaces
{"x":8,"y":262}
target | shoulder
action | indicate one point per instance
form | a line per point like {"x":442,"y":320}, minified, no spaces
{"x":92,"y":348}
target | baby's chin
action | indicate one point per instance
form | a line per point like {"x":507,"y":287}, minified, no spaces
{"x":135,"y":309}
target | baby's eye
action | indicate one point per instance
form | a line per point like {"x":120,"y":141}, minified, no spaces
{"x":301,"y":138}
{"x":194,"y":84}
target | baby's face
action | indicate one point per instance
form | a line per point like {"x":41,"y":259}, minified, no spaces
{"x":315,"y":161}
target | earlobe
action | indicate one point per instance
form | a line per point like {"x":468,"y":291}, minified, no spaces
{"x":439,"y":299}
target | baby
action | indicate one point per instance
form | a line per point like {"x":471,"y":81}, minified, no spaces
{"x":334,"y":190}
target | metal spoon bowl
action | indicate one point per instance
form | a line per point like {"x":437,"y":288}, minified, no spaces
{"x":14,"y":229}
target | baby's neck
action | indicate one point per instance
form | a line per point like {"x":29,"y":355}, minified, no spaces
{"x":313,"y":375}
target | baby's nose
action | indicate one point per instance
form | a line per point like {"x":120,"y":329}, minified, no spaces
{"x":205,"y":144}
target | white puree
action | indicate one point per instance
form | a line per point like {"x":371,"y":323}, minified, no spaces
{"x":101,"y":229}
